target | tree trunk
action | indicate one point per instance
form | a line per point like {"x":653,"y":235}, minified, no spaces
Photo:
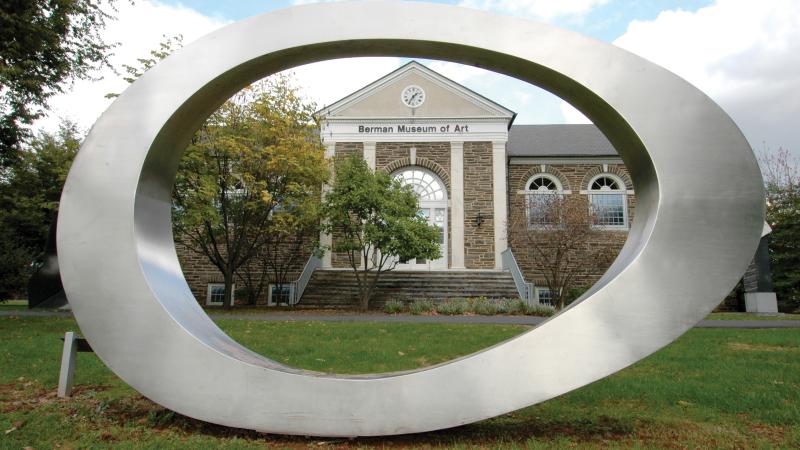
{"x":228,"y":302}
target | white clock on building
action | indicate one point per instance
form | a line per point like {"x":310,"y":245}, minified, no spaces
{"x":413,"y":96}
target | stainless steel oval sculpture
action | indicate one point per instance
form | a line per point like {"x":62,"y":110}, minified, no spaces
{"x":698,"y":221}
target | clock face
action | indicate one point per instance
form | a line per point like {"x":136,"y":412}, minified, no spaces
{"x":413,"y":96}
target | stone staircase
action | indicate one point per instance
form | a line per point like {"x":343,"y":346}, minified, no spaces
{"x":338,"y":288}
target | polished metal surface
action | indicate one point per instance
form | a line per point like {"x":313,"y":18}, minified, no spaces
{"x":699,"y":215}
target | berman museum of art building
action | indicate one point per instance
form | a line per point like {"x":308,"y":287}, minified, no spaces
{"x":479,"y":176}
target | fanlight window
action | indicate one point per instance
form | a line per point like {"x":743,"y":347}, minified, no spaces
{"x":424,"y":183}
{"x":542,"y":183}
{"x":608,"y":200}
{"x":544,"y":198}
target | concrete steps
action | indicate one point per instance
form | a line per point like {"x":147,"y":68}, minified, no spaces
{"x":339,"y":289}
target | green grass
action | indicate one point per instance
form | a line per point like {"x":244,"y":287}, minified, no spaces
{"x":13,"y":305}
{"x":713,"y":388}
{"x":750,"y":316}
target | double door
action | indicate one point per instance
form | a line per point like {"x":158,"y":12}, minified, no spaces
{"x":436,"y":215}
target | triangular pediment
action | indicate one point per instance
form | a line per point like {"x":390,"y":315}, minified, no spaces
{"x":444,"y":98}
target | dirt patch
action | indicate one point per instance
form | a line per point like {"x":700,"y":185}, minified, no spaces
{"x":744,"y":347}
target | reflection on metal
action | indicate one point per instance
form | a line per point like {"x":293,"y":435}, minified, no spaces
{"x":700,"y":209}
{"x":44,"y":287}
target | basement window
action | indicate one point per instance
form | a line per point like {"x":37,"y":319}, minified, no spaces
{"x":215,"y":295}
{"x":279,"y":295}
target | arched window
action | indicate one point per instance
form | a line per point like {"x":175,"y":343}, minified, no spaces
{"x":432,"y":206}
{"x":544,"y":198}
{"x":608,"y":201}
{"x":424,"y":183}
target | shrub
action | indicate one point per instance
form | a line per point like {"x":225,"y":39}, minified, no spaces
{"x":574,"y":293}
{"x":539,"y":310}
{"x":394,"y":307}
{"x":421,"y":307}
{"x":452,"y":307}
{"x":510,"y":306}
{"x":485,"y":307}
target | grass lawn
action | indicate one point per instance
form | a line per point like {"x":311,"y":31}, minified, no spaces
{"x":13,"y":305}
{"x":746,"y":316}
{"x":713,"y":388}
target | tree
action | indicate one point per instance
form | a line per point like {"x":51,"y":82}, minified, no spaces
{"x":781,"y":173}
{"x":168,"y":45}
{"x":46,"y":44}
{"x":562,"y":240}
{"x":256,"y":158}
{"x":374,"y":221}
{"x":30,"y":190}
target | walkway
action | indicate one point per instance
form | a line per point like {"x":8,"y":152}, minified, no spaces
{"x":401,"y":318}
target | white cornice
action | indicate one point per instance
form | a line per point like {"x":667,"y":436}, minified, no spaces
{"x":413,"y":120}
{"x":442,"y":130}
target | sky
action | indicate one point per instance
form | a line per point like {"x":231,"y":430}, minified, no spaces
{"x":744,"y":54}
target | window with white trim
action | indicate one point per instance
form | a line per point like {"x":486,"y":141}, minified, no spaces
{"x":544,"y":296}
{"x":279,"y":295}
{"x":215,"y":294}
{"x":543,"y":200}
{"x":608,"y":202}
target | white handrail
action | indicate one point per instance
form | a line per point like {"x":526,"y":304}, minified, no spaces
{"x":299,"y":286}
{"x":526,"y":290}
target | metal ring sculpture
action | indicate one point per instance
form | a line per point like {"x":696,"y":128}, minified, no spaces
{"x":700,"y":209}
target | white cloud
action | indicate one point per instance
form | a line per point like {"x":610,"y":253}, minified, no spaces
{"x":540,"y":9}
{"x":328,"y":81}
{"x":308,"y":2}
{"x":139,"y":29}
{"x":745,"y":55}
{"x":460,"y":73}
{"x":572,"y":115}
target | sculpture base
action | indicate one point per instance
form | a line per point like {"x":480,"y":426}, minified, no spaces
{"x":761,"y":302}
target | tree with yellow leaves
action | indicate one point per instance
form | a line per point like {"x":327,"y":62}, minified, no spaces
{"x":253,"y":170}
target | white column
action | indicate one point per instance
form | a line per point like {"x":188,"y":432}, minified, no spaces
{"x":457,"y":204}
{"x":325,"y":239}
{"x":499,"y":200}
{"x":370,"y":155}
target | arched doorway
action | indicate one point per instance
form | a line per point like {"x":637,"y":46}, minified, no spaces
{"x":433,"y":206}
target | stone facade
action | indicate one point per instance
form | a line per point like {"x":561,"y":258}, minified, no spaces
{"x":574,"y":178}
{"x":478,"y":199}
{"x":200,"y":272}
{"x":344,"y":150}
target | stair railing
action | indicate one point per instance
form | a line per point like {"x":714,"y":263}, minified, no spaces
{"x":527,"y":291}
{"x":299,"y":286}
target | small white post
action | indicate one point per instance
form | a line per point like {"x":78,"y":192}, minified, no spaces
{"x":67,"y":365}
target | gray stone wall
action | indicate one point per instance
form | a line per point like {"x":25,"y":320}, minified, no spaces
{"x":200,"y":272}
{"x":478,"y":198}
{"x":344,"y":150}
{"x":575,"y":178}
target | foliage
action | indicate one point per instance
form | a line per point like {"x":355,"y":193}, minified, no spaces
{"x":374,"y":220}
{"x":394,"y":307}
{"x":452,"y":307}
{"x":30,"y":190}
{"x":781,"y":173}
{"x":565,"y":246}
{"x":45,"y":44}
{"x":539,"y":310}
{"x":422,"y":306}
{"x":253,"y":172}
{"x":168,"y":45}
